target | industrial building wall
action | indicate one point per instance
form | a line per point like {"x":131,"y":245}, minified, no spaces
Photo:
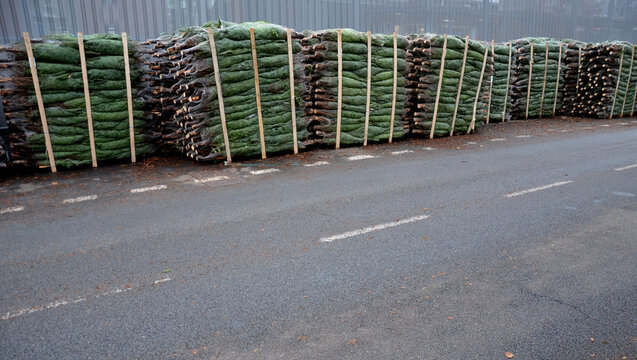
{"x":501,"y":20}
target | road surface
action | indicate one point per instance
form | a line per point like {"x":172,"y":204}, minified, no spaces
{"x":520,"y":239}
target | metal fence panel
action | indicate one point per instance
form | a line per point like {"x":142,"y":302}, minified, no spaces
{"x":587,"y":20}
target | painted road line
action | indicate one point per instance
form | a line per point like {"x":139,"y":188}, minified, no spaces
{"x":11,"y":209}
{"x":605,"y":125}
{"x":471,"y":143}
{"x":523,"y":136}
{"x":401,"y":152}
{"x":51,"y":305}
{"x":373,"y":228}
{"x":517,"y":193}
{"x":210,"y":179}
{"x":360,"y":157}
{"x":498,"y":139}
{"x":622,"y":193}
{"x":149,"y":188}
{"x":618,"y":169}
{"x":161,"y":281}
{"x":264,"y":171}
{"x":63,"y":302}
{"x":79,"y":199}
{"x":428,"y":148}
{"x":318,"y":163}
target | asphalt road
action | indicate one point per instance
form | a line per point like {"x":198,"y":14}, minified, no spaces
{"x":520,"y":239}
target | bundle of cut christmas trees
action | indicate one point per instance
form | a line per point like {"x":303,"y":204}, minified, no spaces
{"x":62,"y":88}
{"x":450,"y":78}
{"x":607,"y":80}
{"x":197,"y":121}
{"x":538,"y":77}
{"x":321,"y":95}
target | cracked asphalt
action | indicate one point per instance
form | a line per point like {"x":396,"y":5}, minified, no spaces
{"x":167,"y":259}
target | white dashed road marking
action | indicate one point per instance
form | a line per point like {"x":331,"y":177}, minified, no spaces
{"x":79,"y":199}
{"x":471,"y":142}
{"x":498,"y":139}
{"x":523,"y":136}
{"x":318,"y":163}
{"x":264,"y":171}
{"x":605,"y":125}
{"x":161,"y":281}
{"x":429,"y":148}
{"x":11,"y":209}
{"x":626,"y":167}
{"x":401,"y":152}
{"x":360,"y":157}
{"x":149,"y":188}
{"x":52,"y":305}
{"x":210,"y":179}
{"x":517,"y":193}
{"x":621,"y":193}
{"x":373,"y":228}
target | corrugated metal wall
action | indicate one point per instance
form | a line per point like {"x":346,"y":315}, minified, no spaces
{"x":587,"y":20}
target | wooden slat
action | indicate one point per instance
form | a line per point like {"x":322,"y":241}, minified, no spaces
{"x":506,"y":94}
{"x":546,"y":68}
{"x":557,"y":83}
{"x":632,"y":109}
{"x":464,"y":62}
{"x":257,"y":91}
{"x":619,"y":76}
{"x":38,"y":96}
{"x":369,"y":85}
{"x":630,"y":72}
{"x":129,"y":97}
{"x":491,"y":84}
{"x":292,"y":99}
{"x":87,"y":98}
{"x":475,"y":103}
{"x":579,"y":70}
{"x":393,"y":97}
{"x":528,"y":91}
{"x":222,"y":110}
{"x":442,"y":69}
{"x":339,"y":101}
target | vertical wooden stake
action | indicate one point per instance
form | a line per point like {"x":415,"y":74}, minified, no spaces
{"x":87,"y":98}
{"x":632,"y":109}
{"x":442,"y":70}
{"x":630,"y":72}
{"x":491,"y":84}
{"x":222,"y":110}
{"x":528,"y":92}
{"x":506,"y":94}
{"x":129,"y":96}
{"x":579,"y":70}
{"x":38,"y":95}
{"x":557,"y":83}
{"x":292,"y":97}
{"x":257,"y":91}
{"x":393,"y":97}
{"x":619,"y":76}
{"x":339,"y":101}
{"x":475,"y":103}
{"x":546,"y":68}
{"x":464,"y":61}
{"x":369,"y":85}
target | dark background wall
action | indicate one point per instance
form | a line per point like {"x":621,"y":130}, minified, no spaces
{"x":587,"y":20}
